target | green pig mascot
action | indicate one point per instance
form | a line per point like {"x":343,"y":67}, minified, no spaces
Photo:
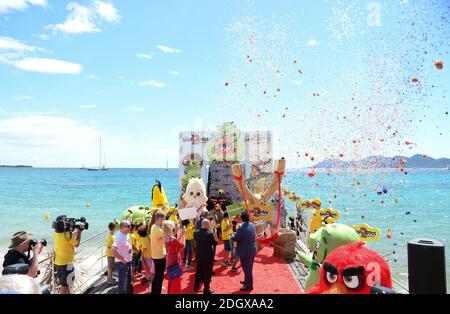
{"x":136,"y":214}
{"x":321,"y":243}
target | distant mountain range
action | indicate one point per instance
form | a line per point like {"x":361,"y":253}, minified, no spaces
{"x":17,"y":166}
{"x":416,"y":161}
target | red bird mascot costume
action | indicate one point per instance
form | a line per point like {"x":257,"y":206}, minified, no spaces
{"x":352,"y":269}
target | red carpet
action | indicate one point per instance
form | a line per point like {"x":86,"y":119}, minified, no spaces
{"x":271,"y":275}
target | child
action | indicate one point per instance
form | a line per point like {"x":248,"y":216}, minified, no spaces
{"x":234,"y":256}
{"x":227,"y":229}
{"x":109,"y":242}
{"x":174,"y":215}
{"x":174,"y":242}
{"x":135,"y":262}
{"x":189,"y":237}
{"x":146,"y":255}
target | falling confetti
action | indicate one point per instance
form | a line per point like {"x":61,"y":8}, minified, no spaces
{"x":439,"y":64}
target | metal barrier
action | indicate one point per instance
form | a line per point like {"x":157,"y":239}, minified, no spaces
{"x":88,"y":264}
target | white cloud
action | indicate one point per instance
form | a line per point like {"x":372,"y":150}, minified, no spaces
{"x":107,"y":11}
{"x":32,"y":139}
{"x":78,"y":21}
{"x":7,"y":6}
{"x":42,"y":36}
{"x":45,"y":65}
{"x":89,"y":106}
{"x":143,"y":56}
{"x":20,"y":98}
{"x":39,"y":130}
{"x":313,"y":42}
{"x":15,"y":53}
{"x":135,"y":109}
{"x":168,"y":49}
{"x":84,"y":19}
{"x":174,"y":73}
{"x":8,"y":44}
{"x":155,"y":84}
{"x":53,"y":141}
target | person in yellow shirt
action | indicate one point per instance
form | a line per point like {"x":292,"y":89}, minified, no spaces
{"x":234,"y":256}
{"x":158,"y":249}
{"x":64,"y":244}
{"x":316,"y":220}
{"x":174,"y":215}
{"x":136,"y":265}
{"x":189,"y":238}
{"x":227,"y":229}
{"x":109,"y":242}
{"x":146,"y":255}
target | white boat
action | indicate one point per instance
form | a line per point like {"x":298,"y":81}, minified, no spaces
{"x":101,"y":166}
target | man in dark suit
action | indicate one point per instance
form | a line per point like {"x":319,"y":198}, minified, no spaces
{"x":205,"y":241}
{"x":245,"y":238}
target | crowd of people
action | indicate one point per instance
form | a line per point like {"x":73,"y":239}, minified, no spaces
{"x":166,"y":248}
{"x":22,"y":258}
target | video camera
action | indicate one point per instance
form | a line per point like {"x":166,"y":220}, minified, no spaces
{"x":64,"y":224}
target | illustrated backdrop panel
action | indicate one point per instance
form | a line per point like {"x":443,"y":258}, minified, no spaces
{"x":193,"y":157}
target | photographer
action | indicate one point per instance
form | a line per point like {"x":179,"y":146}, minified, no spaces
{"x":67,"y":237}
{"x":22,"y":243}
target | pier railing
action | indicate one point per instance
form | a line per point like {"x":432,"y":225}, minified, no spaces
{"x":89,"y":264}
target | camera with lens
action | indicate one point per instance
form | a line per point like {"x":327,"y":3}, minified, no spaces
{"x":64,"y":224}
{"x":34,"y":242}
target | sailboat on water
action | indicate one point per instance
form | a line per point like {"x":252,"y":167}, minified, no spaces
{"x":101,"y":166}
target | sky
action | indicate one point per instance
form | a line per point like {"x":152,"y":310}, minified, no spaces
{"x":322,"y":75}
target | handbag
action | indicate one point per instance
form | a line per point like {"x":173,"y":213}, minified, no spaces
{"x":174,"y":271}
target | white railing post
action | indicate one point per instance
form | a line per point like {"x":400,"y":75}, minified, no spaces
{"x":101,"y":257}
{"x":52,"y":263}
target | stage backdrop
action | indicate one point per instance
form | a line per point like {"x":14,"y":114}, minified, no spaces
{"x":193,"y":157}
{"x":255,"y":152}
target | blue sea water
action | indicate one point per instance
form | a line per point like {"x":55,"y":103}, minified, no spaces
{"x":417,"y":204}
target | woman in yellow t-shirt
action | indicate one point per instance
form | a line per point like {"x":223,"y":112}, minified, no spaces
{"x":158,"y":251}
